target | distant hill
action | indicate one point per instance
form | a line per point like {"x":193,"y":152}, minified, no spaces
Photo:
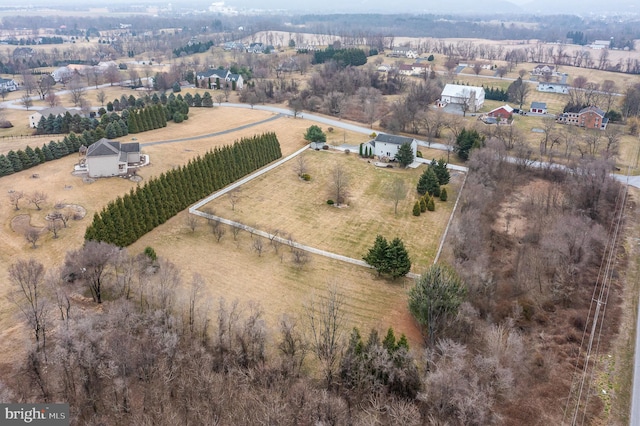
{"x":583,"y":7}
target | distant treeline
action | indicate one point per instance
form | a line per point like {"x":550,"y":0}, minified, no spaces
{"x":128,"y":218}
{"x":192,"y":48}
{"x":344,"y":57}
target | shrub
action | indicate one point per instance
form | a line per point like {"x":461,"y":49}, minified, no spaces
{"x":416,"y":208}
{"x":431,"y":206}
{"x":443,"y":194}
{"x":325,"y":147}
{"x":330,"y":129}
{"x":150,"y":253}
{"x":419,"y":154}
{"x":423,"y":204}
{"x":306,"y":176}
{"x":330,"y":202}
{"x":347,"y":151}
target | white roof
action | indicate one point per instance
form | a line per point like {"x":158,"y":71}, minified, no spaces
{"x":458,"y":90}
{"x":505,"y":107}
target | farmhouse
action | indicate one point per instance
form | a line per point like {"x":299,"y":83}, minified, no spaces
{"x":538,"y":108}
{"x":56,"y":111}
{"x":223,"y":75}
{"x":553,"y":87}
{"x":504,"y":112}
{"x":8,"y":85}
{"x":543,"y":70}
{"x":403,"y":52}
{"x":386,"y":146}
{"x":590,"y":117}
{"x":473,"y":96}
{"x":107,"y":158}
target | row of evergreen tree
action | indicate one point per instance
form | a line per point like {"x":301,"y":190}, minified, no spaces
{"x":128,"y":218}
{"x":498,"y":94}
{"x":16,"y":161}
{"x":344,"y":57}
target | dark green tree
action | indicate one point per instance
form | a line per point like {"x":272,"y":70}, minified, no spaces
{"x":416,"y":209}
{"x":315,"y":134}
{"x":14,"y":159}
{"x":441,"y":171}
{"x":443,"y":194}
{"x":435,"y":299}
{"x":398,"y":260}
{"x":404,"y":156}
{"x":6,"y":168}
{"x":377,"y":255}
{"x":466,"y":141}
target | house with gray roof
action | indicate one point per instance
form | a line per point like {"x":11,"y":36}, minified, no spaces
{"x":8,"y":85}
{"x":538,"y":108}
{"x":106,"y":158}
{"x":56,"y":111}
{"x":386,"y":146}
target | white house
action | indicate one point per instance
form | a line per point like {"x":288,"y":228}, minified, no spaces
{"x":8,"y":85}
{"x":553,"y":88}
{"x":459,"y":94}
{"x":107,"y":158}
{"x":403,"y":51}
{"x":386,"y":146}
{"x":56,"y":111}
{"x":538,"y":108}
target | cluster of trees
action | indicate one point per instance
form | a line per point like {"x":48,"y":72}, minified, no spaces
{"x":64,"y":124}
{"x":192,"y":48}
{"x":389,"y":258}
{"x":466,"y":141}
{"x":127,"y":218}
{"x":159,"y":348}
{"x":343,"y":57}
{"x":16,"y":161}
{"x":148,"y":118}
{"x":431,"y":185}
{"x":498,"y":94}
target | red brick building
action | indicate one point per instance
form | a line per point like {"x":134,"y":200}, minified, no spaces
{"x":590,"y":117}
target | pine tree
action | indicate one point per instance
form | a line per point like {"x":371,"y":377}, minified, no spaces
{"x":443,"y":194}
{"x":207,"y":101}
{"x":34,"y":158}
{"x":416,"y":208}
{"x":48,"y":154}
{"x":441,"y":171}
{"x":6,"y":168}
{"x":40,"y":154}
{"x":377,"y":255}
{"x":398,"y":260}
{"x":431,"y":205}
{"x":16,"y":164}
{"x":423,"y":204}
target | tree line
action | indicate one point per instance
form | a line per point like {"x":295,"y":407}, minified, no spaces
{"x":127,"y":218}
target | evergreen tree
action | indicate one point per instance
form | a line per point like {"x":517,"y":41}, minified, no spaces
{"x":40,"y":154}
{"x":48,"y":154}
{"x":14,"y":159}
{"x":423,"y":204}
{"x":416,"y":208}
{"x":34,"y":159}
{"x":404,"y":156}
{"x":398,"y":260}
{"x":466,"y":141}
{"x":431,"y":205}
{"x":207,"y":101}
{"x":377,"y":255}
{"x":441,"y":171}
{"x":443,"y":194}
{"x":6,"y":168}
{"x":197,"y":100}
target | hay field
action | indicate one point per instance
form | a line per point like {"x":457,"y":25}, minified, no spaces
{"x":55,"y":179}
{"x":280,"y":200}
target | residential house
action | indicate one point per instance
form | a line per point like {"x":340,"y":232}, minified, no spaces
{"x":106,"y":158}
{"x":404,"y":52}
{"x":386,"y":146}
{"x":561,"y":88}
{"x":538,"y":108}
{"x":405,"y":69}
{"x":384,"y":68}
{"x":8,"y":85}
{"x":56,"y":111}
{"x":223,"y":75}
{"x":590,"y":117}
{"x":542,"y":69}
{"x":473,"y":96}
{"x":504,"y":112}
{"x":237,"y":79}
{"x":62,"y":74}
{"x":600,"y":44}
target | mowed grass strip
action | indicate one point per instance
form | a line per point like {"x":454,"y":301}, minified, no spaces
{"x":279,"y":200}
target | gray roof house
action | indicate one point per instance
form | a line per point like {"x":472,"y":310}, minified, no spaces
{"x":8,"y":85}
{"x":107,"y":158}
{"x":386,"y":146}
{"x":538,"y":108}
{"x":56,"y":111}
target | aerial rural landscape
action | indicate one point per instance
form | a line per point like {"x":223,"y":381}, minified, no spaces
{"x":242,"y":214}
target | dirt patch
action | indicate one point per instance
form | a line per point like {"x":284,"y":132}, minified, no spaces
{"x":21,"y":224}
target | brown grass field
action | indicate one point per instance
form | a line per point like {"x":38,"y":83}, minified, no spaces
{"x":383,"y":306}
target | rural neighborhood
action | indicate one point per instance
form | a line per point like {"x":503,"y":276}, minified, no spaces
{"x":224,"y":215}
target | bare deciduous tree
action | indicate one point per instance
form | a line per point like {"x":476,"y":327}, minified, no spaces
{"x":32,"y":235}
{"x":326,"y":318}
{"x":398,"y":192}
{"x":37,"y":198}
{"x":101,"y":96}
{"x":26,"y":101}
{"x":234,"y":197}
{"x":15,"y":197}
{"x":191,"y":221}
{"x":258,"y":246}
{"x":90,"y":264}
{"x":340,"y":184}
{"x":54,"y":225}
{"x":300,"y":165}
{"x":76,"y":90}
{"x":27,"y":277}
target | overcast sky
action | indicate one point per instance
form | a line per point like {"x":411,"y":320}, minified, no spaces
{"x":493,"y":7}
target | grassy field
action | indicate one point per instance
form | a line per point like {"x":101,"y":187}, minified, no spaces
{"x":280,"y":200}
{"x":173,"y":240}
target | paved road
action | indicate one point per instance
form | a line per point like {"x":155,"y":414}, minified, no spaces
{"x":635,"y":394}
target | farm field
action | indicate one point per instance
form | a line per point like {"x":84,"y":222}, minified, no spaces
{"x":280,"y":200}
{"x":55,"y":179}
